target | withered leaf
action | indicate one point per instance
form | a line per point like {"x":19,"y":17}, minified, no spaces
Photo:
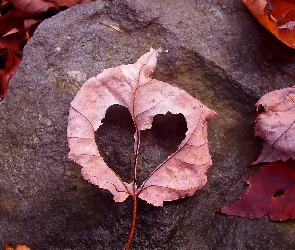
{"x":9,"y":21}
{"x":18,"y":247}
{"x":10,"y":53}
{"x":32,"y":7}
{"x":278,"y":16}
{"x":14,"y":41}
{"x":276,"y":125}
{"x":271,"y":191}
{"x":182,"y":173}
{"x":67,"y":3}
{"x":24,"y":16}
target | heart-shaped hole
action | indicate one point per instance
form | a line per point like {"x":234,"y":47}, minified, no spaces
{"x":157,"y":143}
{"x":115,"y":142}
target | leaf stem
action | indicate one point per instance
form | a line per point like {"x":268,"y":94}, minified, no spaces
{"x":133,"y":222}
{"x":134,"y":196}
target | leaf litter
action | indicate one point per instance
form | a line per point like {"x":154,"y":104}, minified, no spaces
{"x":271,"y":190}
{"x":18,"y":22}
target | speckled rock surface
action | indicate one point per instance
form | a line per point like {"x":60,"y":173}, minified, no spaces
{"x":209,"y":50}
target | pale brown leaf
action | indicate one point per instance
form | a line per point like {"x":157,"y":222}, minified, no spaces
{"x":276,"y":125}
{"x":182,"y":173}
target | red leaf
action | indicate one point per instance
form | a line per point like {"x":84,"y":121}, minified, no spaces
{"x":23,"y":16}
{"x":271,"y":191}
{"x":13,"y":41}
{"x":68,"y":3}
{"x":12,"y":62}
{"x":32,"y":8}
{"x":10,"y":53}
{"x":12,"y":20}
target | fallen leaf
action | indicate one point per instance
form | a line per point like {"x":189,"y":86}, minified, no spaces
{"x":31,"y":25}
{"x":275,"y":124}
{"x":18,"y":247}
{"x":10,"y":53}
{"x":23,"y":16}
{"x":278,"y":16}
{"x":13,"y":42}
{"x":271,"y":191}
{"x":32,"y":8}
{"x":68,"y":3}
{"x":12,"y":62}
{"x":182,"y":173}
{"x":13,"y":19}
{"x":131,"y":86}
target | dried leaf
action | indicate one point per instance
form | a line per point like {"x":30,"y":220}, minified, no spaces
{"x":111,"y":26}
{"x":18,"y":247}
{"x":24,"y":16}
{"x":13,"y":41}
{"x":68,"y":3}
{"x":271,"y":191}
{"x":12,"y":62}
{"x":10,"y":53}
{"x":278,"y":16}
{"x":32,"y":8}
{"x":182,"y":173}
{"x":275,"y":124}
{"x":13,"y":19}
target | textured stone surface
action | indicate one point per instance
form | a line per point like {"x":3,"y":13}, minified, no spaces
{"x":209,"y":50}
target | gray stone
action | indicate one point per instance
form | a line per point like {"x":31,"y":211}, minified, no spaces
{"x":211,"y":51}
